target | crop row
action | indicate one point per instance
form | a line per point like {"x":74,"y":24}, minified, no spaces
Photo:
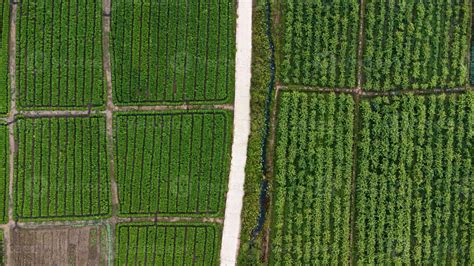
{"x":4,"y":172}
{"x":414,"y":181}
{"x":172,"y":163}
{"x":61,"y":168}
{"x":416,"y":45}
{"x":172,"y":52}
{"x":320,"y":43}
{"x":313,"y":179}
{"x":59,"y":53}
{"x":4,"y":33}
{"x":168,"y":244}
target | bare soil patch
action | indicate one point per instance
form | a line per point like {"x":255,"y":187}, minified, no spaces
{"x":86,"y":245}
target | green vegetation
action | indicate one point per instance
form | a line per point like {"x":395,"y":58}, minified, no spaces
{"x":173,"y":52}
{"x":59,"y":54}
{"x":416,"y":44}
{"x":168,"y":244}
{"x":472,"y":60}
{"x":414,"y":180}
{"x":320,"y":42}
{"x":61,"y":168}
{"x":4,"y":172}
{"x":250,"y":253}
{"x":4,"y":36}
{"x":312,"y":185}
{"x":172,"y":163}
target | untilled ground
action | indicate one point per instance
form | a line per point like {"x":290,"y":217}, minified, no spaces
{"x":87,"y":245}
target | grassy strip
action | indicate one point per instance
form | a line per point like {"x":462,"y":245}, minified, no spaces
{"x":168,"y":244}
{"x":250,"y":255}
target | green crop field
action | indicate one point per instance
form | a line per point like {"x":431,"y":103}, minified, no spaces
{"x":173,"y":52}
{"x":172,"y":162}
{"x":61,"y":168}
{"x":416,"y":44}
{"x":414,"y":181}
{"x":59,"y":54}
{"x":4,"y":31}
{"x":168,"y":244}
{"x":319,"y":46}
{"x":313,"y":179}
{"x":4,"y":172}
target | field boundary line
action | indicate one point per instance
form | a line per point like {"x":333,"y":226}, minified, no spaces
{"x":368,"y":94}
{"x":109,"y":221}
{"x":11,"y":126}
{"x":128,"y":108}
{"x":58,"y":113}
{"x":234,"y":201}
{"x":106,"y":64}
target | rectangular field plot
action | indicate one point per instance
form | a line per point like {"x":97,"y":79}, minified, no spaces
{"x":320,"y":39}
{"x":173,"y":51}
{"x":86,"y":245}
{"x":416,"y":44}
{"x":414,"y":181}
{"x":4,"y":36}
{"x":172,"y":162}
{"x":313,"y":167}
{"x":61,"y":168}
{"x":4,"y":172}
{"x":168,"y":244}
{"x":59,"y":54}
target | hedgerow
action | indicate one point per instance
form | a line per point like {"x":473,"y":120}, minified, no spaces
{"x":59,"y":54}
{"x":61,"y":168}
{"x":414,"y":180}
{"x":416,"y":44}
{"x":172,"y":163}
{"x":168,"y":244}
{"x":173,"y":51}
{"x":312,"y":183}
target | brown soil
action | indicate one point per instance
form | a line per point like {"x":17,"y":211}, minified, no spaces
{"x":60,"y":246}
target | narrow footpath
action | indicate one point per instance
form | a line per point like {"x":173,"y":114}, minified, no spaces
{"x":232,"y":223}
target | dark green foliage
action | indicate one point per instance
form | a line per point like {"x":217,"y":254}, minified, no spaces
{"x":61,"y":169}
{"x":472,"y":60}
{"x":168,"y":244}
{"x":59,"y":54}
{"x":414,"y":181}
{"x":4,"y":36}
{"x":4,"y":172}
{"x":320,"y":42}
{"x":312,"y":183}
{"x":172,"y":163}
{"x":416,"y":44}
{"x":173,"y":51}
{"x":250,"y":253}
